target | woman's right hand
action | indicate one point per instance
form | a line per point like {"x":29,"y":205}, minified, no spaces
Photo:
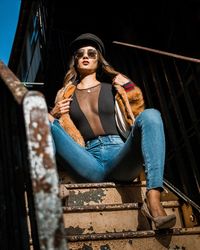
{"x":61,"y":107}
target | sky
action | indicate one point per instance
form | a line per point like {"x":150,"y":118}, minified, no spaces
{"x":9,"y":13}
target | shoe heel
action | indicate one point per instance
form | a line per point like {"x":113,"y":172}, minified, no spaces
{"x":160,"y":222}
{"x":148,"y":218}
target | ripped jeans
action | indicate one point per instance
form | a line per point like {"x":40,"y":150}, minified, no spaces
{"x":109,"y":158}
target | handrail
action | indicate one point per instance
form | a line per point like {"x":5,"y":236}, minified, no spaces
{"x":177,"y":56}
{"x":43,"y":170}
{"x":13,"y":83}
{"x":155,"y":77}
{"x":181,"y":195}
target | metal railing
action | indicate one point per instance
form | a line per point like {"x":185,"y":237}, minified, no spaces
{"x":170,"y":83}
{"x":28,"y":166}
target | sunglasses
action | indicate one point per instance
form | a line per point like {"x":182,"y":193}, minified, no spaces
{"x":91,"y":53}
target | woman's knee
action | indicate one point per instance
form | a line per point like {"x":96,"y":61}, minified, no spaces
{"x":151,"y":115}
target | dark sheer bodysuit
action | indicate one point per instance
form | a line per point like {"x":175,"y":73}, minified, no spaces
{"x":92,"y":111}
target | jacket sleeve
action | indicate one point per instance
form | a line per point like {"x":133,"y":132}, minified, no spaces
{"x":136,"y":100}
{"x":59,"y":96}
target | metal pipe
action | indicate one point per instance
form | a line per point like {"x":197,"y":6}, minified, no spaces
{"x":159,"y":52}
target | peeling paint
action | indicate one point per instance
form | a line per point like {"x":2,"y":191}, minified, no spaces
{"x":43,"y":172}
{"x":74,"y":230}
{"x":105,"y":247}
{"x":87,"y":247}
{"x":42,"y":162}
{"x":87,"y":197}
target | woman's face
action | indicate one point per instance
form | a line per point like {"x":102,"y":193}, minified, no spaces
{"x":86,"y":60}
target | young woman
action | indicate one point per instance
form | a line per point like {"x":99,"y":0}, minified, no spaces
{"x":102,"y":130}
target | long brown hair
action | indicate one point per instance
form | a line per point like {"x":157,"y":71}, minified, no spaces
{"x":104,"y":67}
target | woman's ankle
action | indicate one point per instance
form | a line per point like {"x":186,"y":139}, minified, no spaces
{"x":153,"y":202}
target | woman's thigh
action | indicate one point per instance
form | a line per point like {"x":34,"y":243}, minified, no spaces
{"x":82,"y":161}
{"x":128,"y":163}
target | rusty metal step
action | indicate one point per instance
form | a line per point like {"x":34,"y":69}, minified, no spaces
{"x":109,"y":193}
{"x":110,"y":218}
{"x":177,"y":238}
{"x":107,"y":216}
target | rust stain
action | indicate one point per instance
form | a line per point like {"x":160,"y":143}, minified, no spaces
{"x":41,"y":184}
{"x":130,"y":242}
{"x":91,"y":229}
{"x":16,"y":87}
{"x":39,"y":135}
{"x":43,"y":172}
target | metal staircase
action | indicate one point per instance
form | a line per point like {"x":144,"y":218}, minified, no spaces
{"x":107,"y":216}
{"x":96,"y":216}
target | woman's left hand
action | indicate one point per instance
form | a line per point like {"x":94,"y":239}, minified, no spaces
{"x":120,"y":80}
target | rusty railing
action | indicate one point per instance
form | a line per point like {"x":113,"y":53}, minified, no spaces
{"x":27,"y":166}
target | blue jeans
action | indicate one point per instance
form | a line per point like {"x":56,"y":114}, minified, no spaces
{"x":110,"y":158}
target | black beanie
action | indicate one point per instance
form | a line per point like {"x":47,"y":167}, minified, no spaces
{"x":87,"y":39}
